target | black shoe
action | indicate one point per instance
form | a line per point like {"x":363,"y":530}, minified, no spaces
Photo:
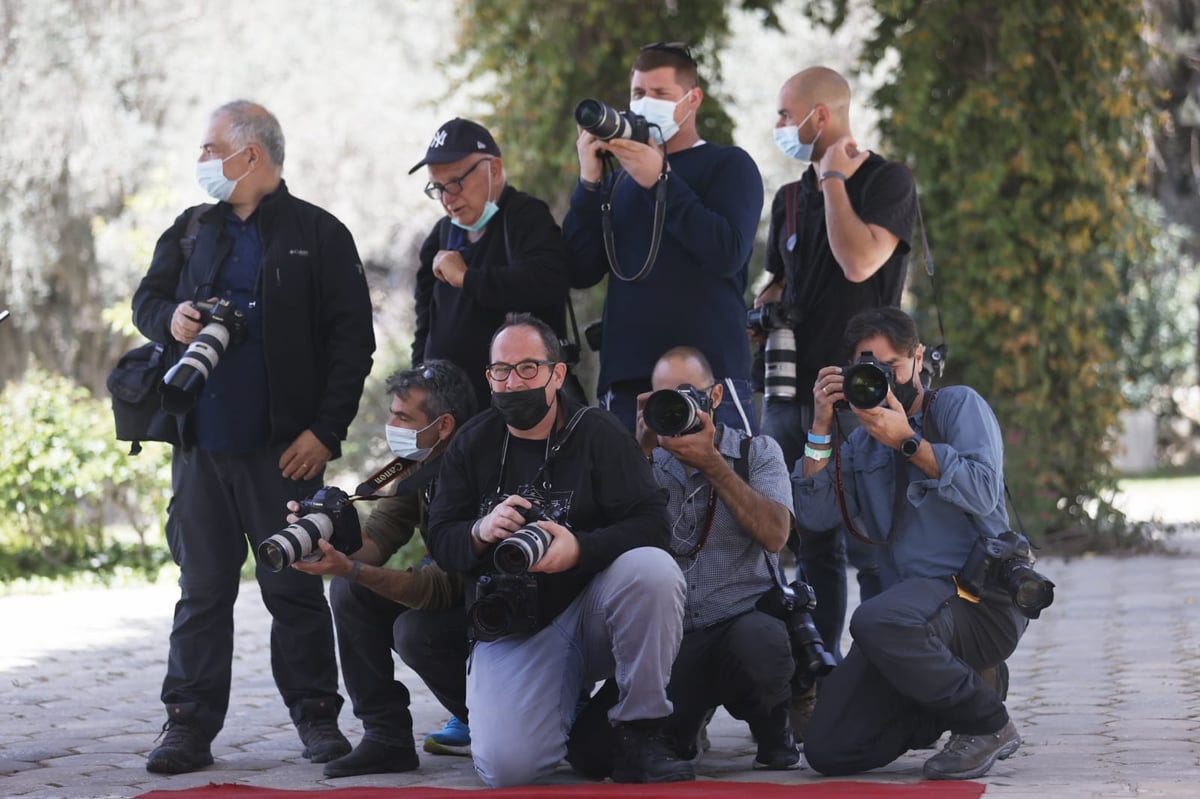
{"x":777,"y":750}
{"x":316,"y":721}
{"x":966,"y":757}
{"x":644,"y":754}
{"x":373,"y":757}
{"x":183,"y":749}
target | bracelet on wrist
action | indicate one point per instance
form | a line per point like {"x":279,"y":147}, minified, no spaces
{"x":813,"y":438}
{"x":590,"y":185}
{"x":816,"y":454}
{"x":475,"y":531}
{"x":832,"y":175}
{"x":354,"y":570}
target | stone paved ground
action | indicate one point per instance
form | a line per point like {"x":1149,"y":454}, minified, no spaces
{"x":1105,"y":691}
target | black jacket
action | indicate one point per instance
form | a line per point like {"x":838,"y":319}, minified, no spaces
{"x":520,"y":264}
{"x":318,"y":334}
{"x":615,"y":504}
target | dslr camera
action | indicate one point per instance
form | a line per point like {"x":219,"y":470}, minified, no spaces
{"x":1001,"y":569}
{"x":327,"y":514}
{"x":606,"y":123}
{"x":793,"y":605}
{"x":676,"y":411}
{"x":777,"y":321}
{"x":224,"y":327}
{"x":506,"y":598}
{"x":867,"y":381}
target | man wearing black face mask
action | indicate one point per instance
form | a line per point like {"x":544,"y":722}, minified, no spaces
{"x":923,"y":478}
{"x":607,"y":599}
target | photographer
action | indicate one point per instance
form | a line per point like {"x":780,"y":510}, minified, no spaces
{"x":497,"y":250}
{"x":713,"y":200}
{"x":725,"y":533}
{"x":418,"y":613}
{"x":838,"y":244}
{"x":924,"y":480}
{"x":602,"y":597}
{"x":272,"y":412}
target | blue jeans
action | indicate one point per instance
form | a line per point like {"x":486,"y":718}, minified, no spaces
{"x":736,"y":409}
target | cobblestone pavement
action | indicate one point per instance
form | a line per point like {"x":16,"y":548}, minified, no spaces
{"x":1105,"y":691}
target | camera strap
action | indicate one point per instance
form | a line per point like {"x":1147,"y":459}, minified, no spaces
{"x":660,"y":215}
{"x":397,"y":469}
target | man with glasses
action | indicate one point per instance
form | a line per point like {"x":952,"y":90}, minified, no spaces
{"x":710,"y":198}
{"x":419,"y":613}
{"x":602,"y":596}
{"x":497,"y":250}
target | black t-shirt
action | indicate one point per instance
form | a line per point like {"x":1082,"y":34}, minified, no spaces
{"x":881,"y":193}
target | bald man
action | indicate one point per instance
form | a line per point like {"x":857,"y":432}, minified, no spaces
{"x":838,"y":244}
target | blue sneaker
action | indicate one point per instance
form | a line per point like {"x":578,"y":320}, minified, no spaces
{"x":453,"y":739}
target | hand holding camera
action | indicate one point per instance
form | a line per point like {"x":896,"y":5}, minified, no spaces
{"x":328,"y":516}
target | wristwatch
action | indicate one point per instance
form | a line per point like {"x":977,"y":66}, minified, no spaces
{"x":910,"y":447}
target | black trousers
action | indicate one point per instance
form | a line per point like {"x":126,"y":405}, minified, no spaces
{"x":912,"y":673}
{"x":433,"y":643}
{"x":222,"y":504}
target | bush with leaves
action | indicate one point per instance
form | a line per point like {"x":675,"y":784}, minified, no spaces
{"x":66,"y":482}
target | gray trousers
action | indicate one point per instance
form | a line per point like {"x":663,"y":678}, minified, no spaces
{"x":522,"y":689}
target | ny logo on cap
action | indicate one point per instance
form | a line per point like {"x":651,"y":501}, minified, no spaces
{"x":439,"y":139}
{"x":481,"y":145}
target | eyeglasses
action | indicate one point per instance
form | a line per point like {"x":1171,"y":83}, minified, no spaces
{"x":526,"y":370}
{"x":434,"y":191}
{"x":681,"y":49}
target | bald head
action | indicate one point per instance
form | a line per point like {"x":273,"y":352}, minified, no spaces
{"x":818,"y":101}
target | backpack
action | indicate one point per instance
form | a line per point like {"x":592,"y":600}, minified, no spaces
{"x":133,"y":382}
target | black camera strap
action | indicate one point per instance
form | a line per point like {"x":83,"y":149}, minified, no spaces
{"x":398,"y":469}
{"x":660,"y":215}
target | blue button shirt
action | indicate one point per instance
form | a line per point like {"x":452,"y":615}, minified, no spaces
{"x":233,"y":412}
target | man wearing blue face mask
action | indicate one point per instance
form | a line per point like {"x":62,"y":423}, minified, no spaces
{"x":418,"y":613}
{"x":260,"y":428}
{"x":497,"y":250}
{"x":838,"y":244}
{"x":692,"y":292}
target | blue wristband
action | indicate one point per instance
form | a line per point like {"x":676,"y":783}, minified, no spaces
{"x":813,"y":438}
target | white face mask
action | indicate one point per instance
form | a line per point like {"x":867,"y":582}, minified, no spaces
{"x":402,"y":441}
{"x":787,"y":139}
{"x":210,"y":175}
{"x":661,"y":113}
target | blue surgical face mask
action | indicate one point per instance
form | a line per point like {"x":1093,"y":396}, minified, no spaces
{"x":661,"y":113}
{"x":787,"y":139}
{"x":489,"y":210}
{"x":402,"y":441}
{"x":210,"y":175}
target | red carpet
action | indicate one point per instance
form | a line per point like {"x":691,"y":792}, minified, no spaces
{"x":701,"y":789}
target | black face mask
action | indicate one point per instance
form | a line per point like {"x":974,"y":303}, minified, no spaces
{"x":907,"y":392}
{"x":522,"y":409}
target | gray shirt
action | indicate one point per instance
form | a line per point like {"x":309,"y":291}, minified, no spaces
{"x":730,"y":572}
{"x":929,"y":524}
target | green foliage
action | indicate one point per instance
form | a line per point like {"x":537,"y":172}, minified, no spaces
{"x":1022,"y":124}
{"x":547,"y":55}
{"x":65,"y":482}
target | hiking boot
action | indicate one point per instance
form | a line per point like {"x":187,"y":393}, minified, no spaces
{"x":183,"y":749}
{"x":777,"y":750}
{"x":966,"y":757}
{"x":373,"y":757}
{"x":644,"y":754}
{"x":453,"y":739}
{"x":316,"y":721}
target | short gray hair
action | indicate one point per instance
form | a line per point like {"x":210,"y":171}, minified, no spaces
{"x":447,"y":389}
{"x":250,"y":123}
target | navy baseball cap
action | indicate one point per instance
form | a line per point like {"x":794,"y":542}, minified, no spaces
{"x":455,"y":140}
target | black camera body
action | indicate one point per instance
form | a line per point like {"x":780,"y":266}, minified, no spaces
{"x":771,"y":316}
{"x":1001,"y":569}
{"x":506,"y":598}
{"x":224,"y":326}
{"x":676,"y":411}
{"x":866,"y":382}
{"x":606,"y":123}
{"x":326,"y":514}
{"x":793,"y":605}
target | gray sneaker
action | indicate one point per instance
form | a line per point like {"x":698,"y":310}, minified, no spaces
{"x":966,"y":757}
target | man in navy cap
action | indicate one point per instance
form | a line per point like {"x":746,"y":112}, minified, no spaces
{"x":497,"y":250}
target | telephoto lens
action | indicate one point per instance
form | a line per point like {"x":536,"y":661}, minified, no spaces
{"x":182,"y":384}
{"x":295,"y":542}
{"x":675,"y":412}
{"x":780,"y":360}
{"x":522,"y":550}
{"x":607,"y":123}
{"x":866,"y":382}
